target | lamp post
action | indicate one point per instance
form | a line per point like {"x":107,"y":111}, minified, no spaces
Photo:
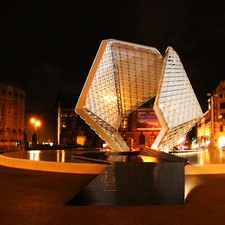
{"x":212,"y":117}
{"x":36,"y":124}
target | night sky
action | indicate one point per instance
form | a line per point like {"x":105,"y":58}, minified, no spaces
{"x":49,"y":46}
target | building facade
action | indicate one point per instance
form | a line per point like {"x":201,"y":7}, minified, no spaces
{"x":138,"y":129}
{"x":141,"y":127}
{"x":12,"y":106}
{"x":211,"y":126}
{"x":69,"y":128}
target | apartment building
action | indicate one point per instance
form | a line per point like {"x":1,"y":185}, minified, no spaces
{"x":12,"y":110}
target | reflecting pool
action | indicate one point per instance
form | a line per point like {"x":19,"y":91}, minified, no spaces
{"x":199,"y":157}
{"x":62,"y":156}
{"x":202,"y":157}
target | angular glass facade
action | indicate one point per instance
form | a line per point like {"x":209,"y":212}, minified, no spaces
{"x":123,"y":77}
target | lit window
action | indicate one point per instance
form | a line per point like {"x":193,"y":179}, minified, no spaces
{"x":63,"y":114}
{"x":124,"y":124}
{"x":222,"y":116}
{"x":63,"y":122}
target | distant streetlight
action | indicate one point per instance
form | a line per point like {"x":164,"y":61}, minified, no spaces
{"x":36,"y":123}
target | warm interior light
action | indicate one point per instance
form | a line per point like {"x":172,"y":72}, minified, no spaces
{"x":81,"y":140}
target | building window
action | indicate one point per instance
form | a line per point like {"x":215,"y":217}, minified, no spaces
{"x":222,"y":116}
{"x":73,"y":114}
{"x":73,"y":122}
{"x":14,"y":131}
{"x":63,"y":122}
{"x":222,"y":105}
{"x":63,"y":114}
{"x":221,"y":128}
{"x":221,"y":95}
{"x":124,"y":124}
{"x":142,"y":139}
{"x":147,"y":120}
{"x":152,"y":139}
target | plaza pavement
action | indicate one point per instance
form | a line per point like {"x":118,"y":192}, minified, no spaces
{"x":38,"y":198}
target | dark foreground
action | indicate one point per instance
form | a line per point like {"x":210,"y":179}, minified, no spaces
{"x":39,"y":198}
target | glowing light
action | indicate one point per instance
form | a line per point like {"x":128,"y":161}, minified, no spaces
{"x":81,"y":140}
{"x":181,"y":140}
{"x":34,"y":155}
{"x":110,"y":98}
{"x":148,"y":158}
{"x":61,"y":156}
{"x":36,"y":123}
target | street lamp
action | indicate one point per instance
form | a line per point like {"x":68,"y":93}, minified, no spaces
{"x":36,"y":123}
{"x":211,"y":105}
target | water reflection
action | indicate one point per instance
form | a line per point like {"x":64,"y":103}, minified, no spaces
{"x":203,"y":157}
{"x":43,"y":155}
{"x":61,"y":155}
{"x":34,"y":155}
{"x":199,"y":157}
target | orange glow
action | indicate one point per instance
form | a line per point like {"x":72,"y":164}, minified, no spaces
{"x":81,"y":140}
{"x":36,"y":123}
{"x":148,"y":159}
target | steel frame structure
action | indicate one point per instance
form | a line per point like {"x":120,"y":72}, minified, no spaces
{"x":123,"y":77}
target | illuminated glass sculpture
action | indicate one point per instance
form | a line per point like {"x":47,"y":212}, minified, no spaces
{"x":176,"y":105}
{"x":123,"y":77}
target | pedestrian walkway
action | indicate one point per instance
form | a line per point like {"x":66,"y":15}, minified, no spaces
{"x":38,"y":198}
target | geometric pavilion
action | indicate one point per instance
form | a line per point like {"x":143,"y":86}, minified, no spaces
{"x":122,"y":78}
